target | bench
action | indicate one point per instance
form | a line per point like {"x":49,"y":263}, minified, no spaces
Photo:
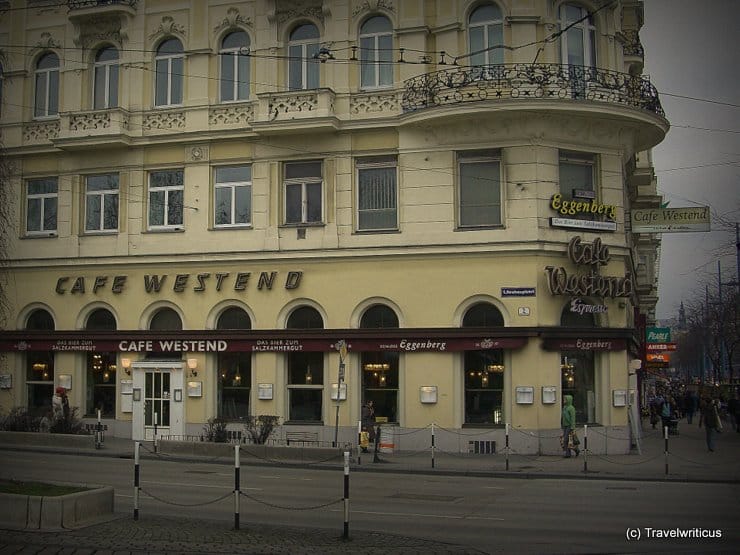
{"x":301,"y":437}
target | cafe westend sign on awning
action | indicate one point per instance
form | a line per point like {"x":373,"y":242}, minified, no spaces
{"x":670,"y":220}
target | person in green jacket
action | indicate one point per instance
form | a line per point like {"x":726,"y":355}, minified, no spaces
{"x":568,"y":423}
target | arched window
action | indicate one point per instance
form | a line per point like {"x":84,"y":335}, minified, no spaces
{"x":303,"y":69}
{"x":234,"y":66}
{"x":169,"y":70}
{"x":486,"y":35}
{"x":578,"y":43}
{"x":165,"y":319}
{"x":484,"y":371}
{"x":234,"y":369}
{"x":46,"y":101}
{"x":39,"y":368}
{"x":106,"y":78}
{"x":101,"y":369}
{"x":380,"y":368}
{"x":376,"y":53}
{"x":577,"y":369}
{"x":305,"y":371}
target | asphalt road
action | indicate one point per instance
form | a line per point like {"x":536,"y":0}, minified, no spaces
{"x":489,"y":514}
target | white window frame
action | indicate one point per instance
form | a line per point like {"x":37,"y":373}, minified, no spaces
{"x":171,"y":77}
{"x":110,"y":93}
{"x":377,"y":57}
{"x":42,"y":198}
{"x":380,"y":162}
{"x":490,"y":57}
{"x":308,"y":65}
{"x":304,"y":182}
{"x":480,"y":157}
{"x":577,"y":159}
{"x":167,"y":189}
{"x":101,"y":196}
{"x":587,"y":30}
{"x":48,"y":78}
{"x":233,"y":56}
{"x":231,"y":187}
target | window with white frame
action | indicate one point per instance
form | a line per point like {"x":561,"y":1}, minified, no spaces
{"x":479,"y":195}
{"x":101,"y":202}
{"x":233,"y":196}
{"x":578,"y":43}
{"x":486,"y":35}
{"x":46,"y":101}
{"x":376,"y":53}
{"x":105,"y":94}
{"x":303,"y":190}
{"x":377,"y":193}
{"x":166,"y":196}
{"x":303,"y":69}
{"x":42,"y":199}
{"x":169,"y":67}
{"x":234,"y":67}
{"x":576,"y":172}
{"x":305,"y":379}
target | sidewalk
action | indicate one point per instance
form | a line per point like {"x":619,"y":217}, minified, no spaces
{"x":688,"y":460}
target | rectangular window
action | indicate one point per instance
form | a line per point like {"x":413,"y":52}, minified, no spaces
{"x":303,"y":193}
{"x":101,"y":203}
{"x":233,"y":196}
{"x":41,"y":205}
{"x":166,"y":194}
{"x":480,"y":188}
{"x":377,"y":207}
{"x":576,"y":173}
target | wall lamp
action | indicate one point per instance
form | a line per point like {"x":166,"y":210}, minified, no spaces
{"x":126,"y":363}
{"x":193,"y":365}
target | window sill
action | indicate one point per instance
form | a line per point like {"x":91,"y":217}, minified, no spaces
{"x":166,"y":230}
{"x":303,"y":423}
{"x":41,"y":235}
{"x":310,"y":224}
{"x":239,"y":227}
{"x":480,"y":227}
{"x":376,"y":231}
{"x":99,"y":233}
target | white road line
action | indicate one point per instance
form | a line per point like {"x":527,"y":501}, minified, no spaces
{"x":191,"y":485}
{"x":422,"y":515}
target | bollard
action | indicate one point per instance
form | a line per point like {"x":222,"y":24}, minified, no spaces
{"x":359,"y":441}
{"x":155,"y":431}
{"x":507,"y":446}
{"x":346,"y":496}
{"x":237,"y":489}
{"x":98,"y":433}
{"x":585,"y":448}
{"x":665,"y":435}
{"x":136,"y":481}
{"x":432,"y":444}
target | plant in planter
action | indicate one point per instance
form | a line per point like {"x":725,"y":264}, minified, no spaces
{"x":215,"y":430}
{"x":260,"y":428}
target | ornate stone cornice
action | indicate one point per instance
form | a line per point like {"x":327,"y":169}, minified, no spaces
{"x":168,"y":27}
{"x":373,"y":6}
{"x":233,"y":19}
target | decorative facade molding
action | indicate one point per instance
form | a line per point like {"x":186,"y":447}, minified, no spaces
{"x":47,"y":41}
{"x":379,"y":102}
{"x":168,"y":27}
{"x":287,"y":10}
{"x":373,"y":6}
{"x":295,"y":103}
{"x":231,"y":115}
{"x":164,"y":120}
{"x":99,"y":28}
{"x":197,"y":153}
{"x":40,"y":132}
{"x":96,"y":120}
{"x":233,"y":19}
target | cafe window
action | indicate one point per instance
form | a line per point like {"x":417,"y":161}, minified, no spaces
{"x":234,"y":369}
{"x":39,"y":368}
{"x":380,"y":368}
{"x":577,"y":369}
{"x":101,"y":369}
{"x":165,"y":319}
{"x":484,"y":371}
{"x":305,"y":372}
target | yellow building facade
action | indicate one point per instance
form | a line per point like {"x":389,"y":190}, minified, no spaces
{"x":231,"y":209}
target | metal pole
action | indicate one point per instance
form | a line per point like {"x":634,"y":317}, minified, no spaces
{"x":237,"y":489}
{"x":98,"y":433}
{"x":665,"y":435}
{"x":507,"y":446}
{"x":346,"y":496}
{"x":585,"y":448}
{"x":432,"y":444}
{"x":136,"y":481}
{"x":155,"y":431}
{"x":359,"y":441}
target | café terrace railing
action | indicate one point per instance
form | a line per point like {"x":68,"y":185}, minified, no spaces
{"x":526,"y":82}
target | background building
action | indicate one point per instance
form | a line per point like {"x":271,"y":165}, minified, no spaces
{"x":209,"y":199}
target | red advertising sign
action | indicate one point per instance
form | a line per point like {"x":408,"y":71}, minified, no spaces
{"x":658,"y":357}
{"x":660,"y":347}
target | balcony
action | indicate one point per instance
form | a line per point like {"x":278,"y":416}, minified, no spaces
{"x":287,"y":112}
{"x":523,"y":82}
{"x":99,"y":128}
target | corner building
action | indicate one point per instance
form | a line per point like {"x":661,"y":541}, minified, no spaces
{"x":224,"y":209}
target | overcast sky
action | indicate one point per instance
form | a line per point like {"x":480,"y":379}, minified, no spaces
{"x":692,"y":50}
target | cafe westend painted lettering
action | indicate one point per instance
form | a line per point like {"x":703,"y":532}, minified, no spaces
{"x":587,"y":254}
{"x":155,"y":283}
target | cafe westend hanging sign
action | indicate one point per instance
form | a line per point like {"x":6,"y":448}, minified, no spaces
{"x":592,"y":255}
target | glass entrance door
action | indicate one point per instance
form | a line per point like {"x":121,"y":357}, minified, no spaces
{"x":156,"y":403}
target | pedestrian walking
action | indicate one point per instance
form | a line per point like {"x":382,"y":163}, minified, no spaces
{"x":368,"y":422}
{"x":568,"y":423}
{"x":709,"y":416}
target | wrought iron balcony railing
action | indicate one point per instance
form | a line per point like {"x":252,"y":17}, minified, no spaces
{"x":529,"y":81}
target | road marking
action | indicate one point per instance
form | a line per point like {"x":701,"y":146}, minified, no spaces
{"x":386,"y":513}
